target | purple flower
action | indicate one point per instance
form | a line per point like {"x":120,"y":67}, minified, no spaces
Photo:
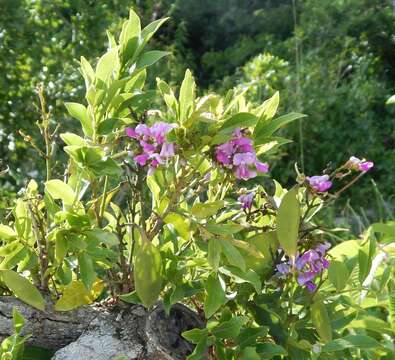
{"x":141,"y":159}
{"x":246,"y":200}
{"x":131,"y":133}
{"x":319,"y":183}
{"x":222,"y":157}
{"x":167,"y":150}
{"x":152,"y":140}
{"x":358,"y":164}
{"x":248,"y":158}
{"x":160,"y":129}
{"x":244,"y":172}
{"x":308,"y":266}
{"x":305,"y":277}
{"x":365,"y":166}
{"x":262,"y":167}
{"x":311,"y":286}
{"x":239,"y":154}
{"x":283,"y":268}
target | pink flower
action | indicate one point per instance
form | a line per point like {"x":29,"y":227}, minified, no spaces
{"x":167,"y":150}
{"x":131,"y":133}
{"x":244,"y":158}
{"x":365,"y":166}
{"x":308,"y":266}
{"x":239,"y":154}
{"x":152,"y":140}
{"x":160,"y":129}
{"x":262,"y":167}
{"x":319,"y":183}
{"x":244,"y":172}
{"x":358,"y":164}
{"x":246,"y":200}
{"x":141,"y":159}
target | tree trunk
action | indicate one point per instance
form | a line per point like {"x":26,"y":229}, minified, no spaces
{"x":102,"y":333}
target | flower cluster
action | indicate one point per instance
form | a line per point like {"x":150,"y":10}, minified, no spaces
{"x":360,"y":165}
{"x":239,"y":154}
{"x":155,"y":149}
{"x":319,"y":183}
{"x":308,"y":266}
{"x":246,"y":200}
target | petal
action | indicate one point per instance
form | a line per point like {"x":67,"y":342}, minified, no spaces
{"x":131,"y":133}
{"x":365,"y":166}
{"x":141,"y":159}
{"x":167,"y":150}
{"x":244,"y":158}
{"x":147,"y":147}
{"x":142,"y":129}
{"x":262,"y":167}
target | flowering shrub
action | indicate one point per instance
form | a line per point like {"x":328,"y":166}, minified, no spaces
{"x":157,"y":203}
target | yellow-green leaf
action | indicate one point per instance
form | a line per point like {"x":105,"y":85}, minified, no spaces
{"x":148,"y":273}
{"x":23,"y":289}
{"x":6,"y":233}
{"x":321,"y":321}
{"x":75,"y":295}
{"x":205,"y":210}
{"x":60,"y":190}
{"x":288,"y":219}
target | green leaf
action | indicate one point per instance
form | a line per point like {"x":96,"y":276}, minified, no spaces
{"x":205,"y":210}
{"x":391,"y":100}
{"x":131,"y":298}
{"x":249,"y":336}
{"x":232,"y":254}
{"x":269,"y":350}
{"x":130,"y":28}
{"x":6,"y":233}
{"x":195,"y":335}
{"x":87,"y":271}
{"x":229,"y":329}
{"x":198,"y":352}
{"x":391,"y":303}
{"x":224,"y":229}
{"x":249,"y":353}
{"x":148,"y":273}
{"x":80,"y":112}
{"x":23,"y":289}
{"x":364,"y":264}
{"x":168,"y":96}
{"x":288,"y":220}
{"x":87,"y":72}
{"x":240,"y":120}
{"x":267,"y":111}
{"x":187,"y":96}
{"x":214,"y":253}
{"x":150,"y":57}
{"x":61,"y":246}
{"x":362,"y":342}
{"x":76,"y":294}
{"x":270,"y":127}
{"x":270,"y":106}
{"x":215,"y":295}
{"x":60,"y":190}
{"x":73,"y":139}
{"x":17,"y":320}
{"x":179,"y":223}
{"x":149,"y":31}
{"x":249,"y":276}
{"x":338,"y":274}
{"x":106,"y":65}
{"x":321,"y":321}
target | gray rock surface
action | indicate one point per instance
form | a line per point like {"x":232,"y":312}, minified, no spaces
{"x":127,"y":332}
